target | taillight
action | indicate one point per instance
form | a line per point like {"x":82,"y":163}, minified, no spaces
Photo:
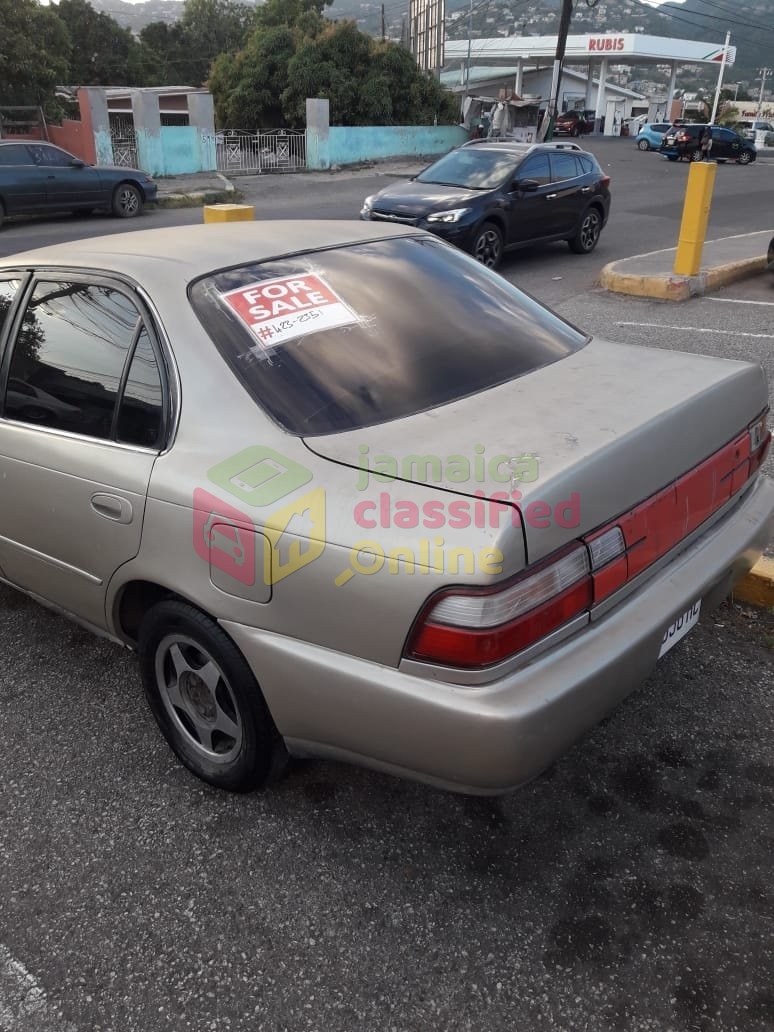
{"x":605,"y":181}
{"x":477,"y":627}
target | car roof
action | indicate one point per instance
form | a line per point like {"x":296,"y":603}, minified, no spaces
{"x":200,"y":249}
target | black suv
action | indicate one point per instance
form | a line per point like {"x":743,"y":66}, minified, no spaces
{"x":682,"y":141}
{"x":489,"y":196}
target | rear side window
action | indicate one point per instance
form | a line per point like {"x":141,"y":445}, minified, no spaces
{"x":564,"y":166}
{"x":81,"y":346}
{"x":536,"y":168}
{"x":8,"y":289}
{"x":15,"y":154}
{"x":353,"y":336}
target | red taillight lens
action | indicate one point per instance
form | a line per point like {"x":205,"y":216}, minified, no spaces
{"x":471,"y":628}
{"x":605,"y":181}
{"x":481,"y":626}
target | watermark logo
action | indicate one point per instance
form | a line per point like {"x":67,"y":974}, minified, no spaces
{"x":259,"y":475}
{"x":296,"y":536}
{"x":223,"y":536}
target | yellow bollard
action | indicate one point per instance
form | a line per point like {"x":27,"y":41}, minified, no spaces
{"x":696,"y":211}
{"x":228,"y":212}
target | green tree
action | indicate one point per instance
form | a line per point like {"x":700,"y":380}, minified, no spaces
{"x":165,"y":54}
{"x":303,"y":15}
{"x":210,"y":28}
{"x":246,"y":88}
{"x":103,"y":52}
{"x":34,"y":51}
{"x":366,"y":82}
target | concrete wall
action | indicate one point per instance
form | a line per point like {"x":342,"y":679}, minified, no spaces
{"x":186,"y":148}
{"x":328,"y":145}
{"x":72,"y":137}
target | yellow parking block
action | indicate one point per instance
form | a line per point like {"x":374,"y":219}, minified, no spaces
{"x":228,"y":212}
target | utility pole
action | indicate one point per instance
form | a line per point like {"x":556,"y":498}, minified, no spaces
{"x":470,"y":45}
{"x":547,"y":129}
{"x":720,"y":79}
{"x":384,"y":30}
{"x":764,"y":72}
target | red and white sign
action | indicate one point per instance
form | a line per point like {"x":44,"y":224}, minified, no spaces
{"x":279,"y":310}
{"x":606,"y":44}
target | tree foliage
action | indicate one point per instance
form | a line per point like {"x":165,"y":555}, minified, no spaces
{"x":34,"y":52}
{"x":103,"y":53}
{"x":367,"y":82}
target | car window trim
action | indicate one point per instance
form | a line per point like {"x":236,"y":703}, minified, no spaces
{"x":22,"y":275}
{"x":170,"y":394}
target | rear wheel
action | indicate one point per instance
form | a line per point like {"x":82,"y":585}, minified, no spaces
{"x":696,"y":156}
{"x":205,"y":699}
{"x":127,"y":201}
{"x":587,"y":236}
{"x":745,"y":158}
{"x":643,"y":145}
{"x":488,"y":245}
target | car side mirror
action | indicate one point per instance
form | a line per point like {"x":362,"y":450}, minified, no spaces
{"x":525,"y":185}
{"x":77,"y":163}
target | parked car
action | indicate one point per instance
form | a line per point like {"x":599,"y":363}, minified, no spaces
{"x":683,"y":142}
{"x":489,"y":196}
{"x":273,"y":564}
{"x":748,"y":127}
{"x":770,"y":256}
{"x":39,"y":177}
{"x":575,"y":123}
{"x":651,"y":134}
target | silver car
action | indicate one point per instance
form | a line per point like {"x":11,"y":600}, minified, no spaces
{"x":350,"y":494}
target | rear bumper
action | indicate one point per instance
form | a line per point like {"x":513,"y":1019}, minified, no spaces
{"x":493,"y":738}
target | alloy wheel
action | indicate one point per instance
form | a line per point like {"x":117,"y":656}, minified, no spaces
{"x":198,"y":698}
{"x":488,"y":249}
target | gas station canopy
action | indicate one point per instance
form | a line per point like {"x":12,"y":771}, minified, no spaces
{"x":618,"y":48}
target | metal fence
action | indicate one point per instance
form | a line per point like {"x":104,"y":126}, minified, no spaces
{"x":124,"y":143}
{"x":275,"y":150}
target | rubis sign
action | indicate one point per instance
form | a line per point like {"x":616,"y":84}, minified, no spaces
{"x":606,"y":44}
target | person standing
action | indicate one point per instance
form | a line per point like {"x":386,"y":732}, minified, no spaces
{"x":705,"y":144}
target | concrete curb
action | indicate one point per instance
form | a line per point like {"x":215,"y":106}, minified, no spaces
{"x":671,"y":287}
{"x":757,"y":588}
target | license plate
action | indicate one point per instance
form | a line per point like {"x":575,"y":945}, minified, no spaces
{"x":680,"y":628}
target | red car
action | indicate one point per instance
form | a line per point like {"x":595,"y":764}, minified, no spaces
{"x":575,"y":123}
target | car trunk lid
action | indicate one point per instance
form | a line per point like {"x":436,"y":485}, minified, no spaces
{"x":580,"y":441}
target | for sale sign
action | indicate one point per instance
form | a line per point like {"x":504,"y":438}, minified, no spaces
{"x":279,"y":310}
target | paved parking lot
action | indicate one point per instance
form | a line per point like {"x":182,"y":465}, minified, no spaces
{"x":627,"y":890}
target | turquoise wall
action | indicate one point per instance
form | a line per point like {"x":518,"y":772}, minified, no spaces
{"x":348,"y":145}
{"x":177,"y":149}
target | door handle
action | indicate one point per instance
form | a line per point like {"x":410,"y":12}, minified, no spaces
{"x":586,"y":189}
{"x":551,"y":196}
{"x":112,"y":507}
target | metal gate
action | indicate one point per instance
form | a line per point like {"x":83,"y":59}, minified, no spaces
{"x":275,"y":150}
{"x":124,"y":143}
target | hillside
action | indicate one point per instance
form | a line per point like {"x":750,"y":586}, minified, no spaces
{"x":750,"y":21}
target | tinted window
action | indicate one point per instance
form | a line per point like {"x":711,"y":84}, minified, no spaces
{"x":410,"y":324}
{"x":15,"y":154}
{"x":586,"y":163}
{"x":50,"y":156}
{"x":8,"y":290}
{"x":537,"y":168}
{"x":473,"y":168}
{"x":564,"y":166}
{"x":72,"y":350}
{"x":141,"y":412}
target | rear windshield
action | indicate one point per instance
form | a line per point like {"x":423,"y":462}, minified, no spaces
{"x":349,"y":337}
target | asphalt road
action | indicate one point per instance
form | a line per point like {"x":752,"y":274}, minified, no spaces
{"x":627,"y":890}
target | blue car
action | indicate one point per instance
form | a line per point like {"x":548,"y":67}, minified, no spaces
{"x":651,"y":135}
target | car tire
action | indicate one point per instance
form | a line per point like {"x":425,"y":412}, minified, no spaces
{"x":127,"y":201}
{"x":2,"y":214}
{"x":587,"y":237}
{"x":696,"y":156}
{"x":206,"y":700}
{"x":643,"y":145}
{"x":745,"y":158}
{"x":671,"y":157}
{"x":576,"y":131}
{"x":488,"y":245}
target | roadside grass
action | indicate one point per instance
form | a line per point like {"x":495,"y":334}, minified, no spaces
{"x":197,"y":200}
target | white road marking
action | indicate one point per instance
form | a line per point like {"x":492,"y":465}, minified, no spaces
{"x":738,"y":301}
{"x":23,"y":1004}
{"x":697,"y":329}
